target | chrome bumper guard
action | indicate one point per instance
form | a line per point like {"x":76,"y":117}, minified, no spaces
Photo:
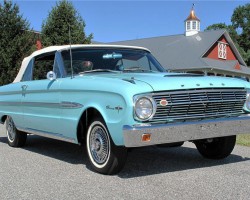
{"x":186,"y":131}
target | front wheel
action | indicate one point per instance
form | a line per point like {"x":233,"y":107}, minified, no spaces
{"x":216,"y":148}
{"x":105,"y":157}
{"x":15,"y":138}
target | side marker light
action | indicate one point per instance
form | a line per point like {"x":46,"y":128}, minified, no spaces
{"x":146,"y":137}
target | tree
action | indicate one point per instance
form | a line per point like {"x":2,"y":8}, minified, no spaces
{"x":241,"y":23}
{"x":15,"y":41}
{"x":239,"y":30}
{"x":55,"y":29}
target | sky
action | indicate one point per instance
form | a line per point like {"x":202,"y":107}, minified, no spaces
{"x":111,"y":21}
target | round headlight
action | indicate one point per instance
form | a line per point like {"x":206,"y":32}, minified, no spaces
{"x":248,"y":101}
{"x":145,"y":108}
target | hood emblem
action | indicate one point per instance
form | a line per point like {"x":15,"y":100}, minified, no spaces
{"x":163,"y":102}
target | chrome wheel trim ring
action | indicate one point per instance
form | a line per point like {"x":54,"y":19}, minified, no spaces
{"x":98,"y":144}
{"x":10,"y":129}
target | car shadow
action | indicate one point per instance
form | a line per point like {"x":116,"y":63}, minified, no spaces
{"x":64,"y":151}
{"x":140,"y":162}
{"x":154,"y":160}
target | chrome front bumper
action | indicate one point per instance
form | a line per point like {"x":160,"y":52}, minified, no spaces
{"x":186,"y":131}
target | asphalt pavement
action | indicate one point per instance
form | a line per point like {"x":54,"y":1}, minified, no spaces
{"x":51,"y":169}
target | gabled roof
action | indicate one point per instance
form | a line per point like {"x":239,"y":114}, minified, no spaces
{"x":177,"y":52}
{"x":227,"y":65}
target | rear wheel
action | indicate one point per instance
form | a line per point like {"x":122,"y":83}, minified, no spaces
{"x":105,"y":157}
{"x":15,"y":138}
{"x":216,"y":148}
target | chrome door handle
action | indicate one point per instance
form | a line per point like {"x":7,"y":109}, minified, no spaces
{"x":24,"y":87}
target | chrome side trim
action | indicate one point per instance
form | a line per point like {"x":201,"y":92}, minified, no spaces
{"x":63,"y":104}
{"x":186,"y":131}
{"x":56,"y":136}
{"x":10,"y":103}
{"x":41,"y":104}
{"x":67,"y":104}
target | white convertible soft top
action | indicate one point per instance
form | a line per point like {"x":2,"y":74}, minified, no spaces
{"x":65,"y":47}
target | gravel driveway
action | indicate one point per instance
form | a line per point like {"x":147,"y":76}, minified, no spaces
{"x":51,"y":169}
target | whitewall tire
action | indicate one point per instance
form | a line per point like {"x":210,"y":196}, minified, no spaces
{"x":15,"y":138}
{"x":104,"y":156}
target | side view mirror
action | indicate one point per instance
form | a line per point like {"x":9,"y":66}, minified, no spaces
{"x":51,"y":75}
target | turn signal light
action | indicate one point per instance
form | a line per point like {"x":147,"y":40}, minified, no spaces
{"x":146,"y":137}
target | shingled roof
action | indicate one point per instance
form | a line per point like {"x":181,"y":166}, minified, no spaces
{"x":179,"y":52}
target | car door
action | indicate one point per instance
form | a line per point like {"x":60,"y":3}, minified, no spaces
{"x":40,"y":99}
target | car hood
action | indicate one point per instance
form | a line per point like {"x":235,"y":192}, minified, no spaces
{"x":176,"y":81}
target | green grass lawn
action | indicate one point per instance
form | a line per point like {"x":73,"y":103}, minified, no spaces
{"x":243,"y":140}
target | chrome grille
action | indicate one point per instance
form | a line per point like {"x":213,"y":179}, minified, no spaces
{"x":199,"y":104}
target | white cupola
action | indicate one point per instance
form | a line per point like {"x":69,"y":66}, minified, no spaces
{"x":192,"y":24}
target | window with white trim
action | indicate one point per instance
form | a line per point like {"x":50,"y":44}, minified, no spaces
{"x":222,"y":50}
{"x":188,"y":25}
{"x":194,"y":25}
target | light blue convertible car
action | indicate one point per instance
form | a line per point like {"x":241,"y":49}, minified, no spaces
{"x":110,"y":98}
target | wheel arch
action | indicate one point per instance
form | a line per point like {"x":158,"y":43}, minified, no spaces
{"x":84,"y":121}
{"x":3,"y":119}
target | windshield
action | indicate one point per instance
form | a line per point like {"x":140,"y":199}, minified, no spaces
{"x":110,"y":60}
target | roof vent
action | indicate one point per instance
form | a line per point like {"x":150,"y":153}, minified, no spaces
{"x":198,"y":38}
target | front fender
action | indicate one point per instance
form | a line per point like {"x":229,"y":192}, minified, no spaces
{"x":115,"y":111}
{"x":114,"y":108}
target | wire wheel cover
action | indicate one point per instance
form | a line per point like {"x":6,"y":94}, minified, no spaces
{"x":99,"y":144}
{"x":11,"y":132}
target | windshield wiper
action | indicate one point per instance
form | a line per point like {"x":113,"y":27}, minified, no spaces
{"x":132,"y":69}
{"x":98,"y":70}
